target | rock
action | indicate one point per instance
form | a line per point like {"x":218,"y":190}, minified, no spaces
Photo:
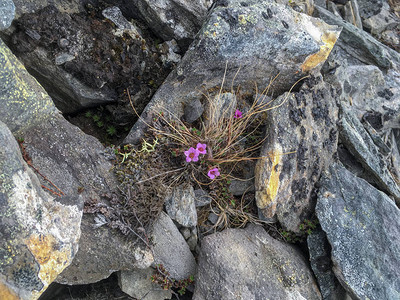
{"x":249,"y":264}
{"x":321,"y":265}
{"x":223,"y":106}
{"x":174,"y":19}
{"x":360,"y":144}
{"x":83,"y":61}
{"x":170,"y":55}
{"x":171,"y":250}
{"x":202,"y":198}
{"x":39,"y":233}
{"x":384,"y":20}
{"x":74,"y":162}
{"x":62,"y":58}
{"x":260,"y":39}
{"x":7,"y":13}
{"x":360,"y":44}
{"x":193,"y":110}
{"x":16,"y":83}
{"x":114,"y":14}
{"x":362,"y":226}
{"x":305,"y":124}
{"x":363,"y":87}
{"x":239,"y":187}
{"x":180,"y":206}
{"x":103,"y":251}
{"x":351,"y":14}
{"x":138,"y":284}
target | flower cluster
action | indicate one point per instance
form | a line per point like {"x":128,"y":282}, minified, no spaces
{"x":193,"y":155}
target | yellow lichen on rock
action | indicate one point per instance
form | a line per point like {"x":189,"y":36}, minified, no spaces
{"x":266,"y":198}
{"x":50,"y":255}
{"x":328,"y":41}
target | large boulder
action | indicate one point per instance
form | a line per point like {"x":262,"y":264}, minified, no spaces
{"x":301,"y":139}
{"x":250,"y":264}
{"x":362,"y":225}
{"x":39,"y":233}
{"x":260,"y":39}
{"x":71,"y":163}
{"x":84,"y":61}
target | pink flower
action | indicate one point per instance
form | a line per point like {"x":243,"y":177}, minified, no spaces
{"x":192,"y":154}
{"x":201,"y":148}
{"x":238,"y":114}
{"x":213,"y":173}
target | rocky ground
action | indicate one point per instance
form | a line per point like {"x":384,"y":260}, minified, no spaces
{"x":264,"y":163}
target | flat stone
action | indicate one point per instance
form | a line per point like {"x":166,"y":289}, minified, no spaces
{"x":362,"y":225}
{"x":180,"y":206}
{"x":138,"y":284}
{"x":321,"y":264}
{"x":249,"y":264}
{"x":171,"y":249}
{"x":360,"y":144}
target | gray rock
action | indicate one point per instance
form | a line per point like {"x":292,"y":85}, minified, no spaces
{"x":171,"y":249}
{"x":305,"y":123}
{"x":360,"y":144}
{"x":62,"y":58}
{"x":321,"y":264}
{"x":193,"y":110}
{"x":7,"y":13}
{"x":137,"y":284}
{"x":180,"y":206}
{"x":39,"y":233}
{"x":360,"y":44}
{"x":16,"y":83}
{"x":74,"y":162}
{"x":174,"y":19}
{"x":362,"y":225}
{"x":114,"y":14}
{"x":239,"y":187}
{"x":352,"y":15}
{"x":103,"y":251}
{"x":249,"y":264}
{"x":360,"y":87}
{"x":384,"y":20}
{"x":223,"y":106}
{"x":261,"y":38}
{"x":68,"y":93}
{"x":202,"y":198}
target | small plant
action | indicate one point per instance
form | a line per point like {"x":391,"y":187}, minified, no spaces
{"x":164,"y":279}
{"x":111,"y":130}
{"x":306,"y":228}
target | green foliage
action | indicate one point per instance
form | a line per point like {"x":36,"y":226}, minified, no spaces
{"x":164,"y":279}
{"x":111,"y":130}
{"x":306,"y":228}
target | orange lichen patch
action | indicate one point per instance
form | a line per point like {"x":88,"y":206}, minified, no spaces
{"x":328,"y":39}
{"x":6,"y":293}
{"x":51,"y":258}
{"x":267,"y":197}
